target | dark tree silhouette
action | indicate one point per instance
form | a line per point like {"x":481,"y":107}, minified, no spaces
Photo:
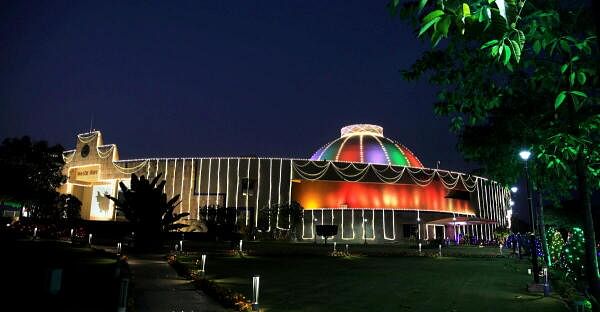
{"x":146,"y":206}
{"x":31,"y":173}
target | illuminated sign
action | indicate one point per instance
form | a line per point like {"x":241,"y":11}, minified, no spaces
{"x":335,"y":195}
{"x":85,"y":173}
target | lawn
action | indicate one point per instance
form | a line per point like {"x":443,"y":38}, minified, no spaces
{"x":88,"y":282}
{"x":312,"y":282}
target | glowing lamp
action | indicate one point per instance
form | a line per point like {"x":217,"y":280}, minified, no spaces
{"x":514,"y":189}
{"x":255,"y":292}
{"x":241,"y":245}
{"x":202,"y":264}
{"x":525,"y":154}
{"x":511,"y":203}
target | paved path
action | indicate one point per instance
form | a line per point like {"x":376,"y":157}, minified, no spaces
{"x":159,"y":288}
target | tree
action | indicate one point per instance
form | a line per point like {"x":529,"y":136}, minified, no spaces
{"x":221,"y":222}
{"x":502,"y":234}
{"x":69,"y":207}
{"x":537,"y":59}
{"x":32,"y":171}
{"x":145,"y":205}
{"x":278,"y":218}
{"x":326,"y":231}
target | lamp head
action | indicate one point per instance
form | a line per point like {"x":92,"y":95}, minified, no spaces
{"x":514,"y":189}
{"x":525,"y":154}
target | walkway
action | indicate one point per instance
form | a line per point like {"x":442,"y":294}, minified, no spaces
{"x":159,"y":288}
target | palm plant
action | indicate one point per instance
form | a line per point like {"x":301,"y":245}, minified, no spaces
{"x":145,"y":205}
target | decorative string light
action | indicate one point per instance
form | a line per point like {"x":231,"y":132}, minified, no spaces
{"x":491,"y":197}
{"x":190,"y":193}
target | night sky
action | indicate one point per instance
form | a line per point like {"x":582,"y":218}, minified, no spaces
{"x":222,"y":78}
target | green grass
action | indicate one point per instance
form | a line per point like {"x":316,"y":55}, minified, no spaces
{"x":304,"y":282}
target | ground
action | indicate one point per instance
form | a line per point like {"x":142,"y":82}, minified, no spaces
{"x":310,"y":282}
{"x":88,"y":279}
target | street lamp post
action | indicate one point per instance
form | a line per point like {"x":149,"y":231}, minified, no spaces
{"x":525,"y":154}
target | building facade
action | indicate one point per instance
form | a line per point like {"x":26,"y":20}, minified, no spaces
{"x":372,"y":187}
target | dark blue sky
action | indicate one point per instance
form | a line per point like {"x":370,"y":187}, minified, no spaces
{"x":222,"y":78}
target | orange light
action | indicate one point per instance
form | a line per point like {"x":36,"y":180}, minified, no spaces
{"x":330,"y":195}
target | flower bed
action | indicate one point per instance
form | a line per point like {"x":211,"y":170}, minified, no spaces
{"x":225,"y":296}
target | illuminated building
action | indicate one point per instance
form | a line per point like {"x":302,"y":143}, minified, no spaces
{"x":367,"y":184}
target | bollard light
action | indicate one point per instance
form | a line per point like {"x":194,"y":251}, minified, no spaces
{"x":35,"y":232}
{"x":71,"y":234}
{"x":241,"y":244}
{"x":500,"y":249}
{"x":529,"y":271}
{"x":546,"y":285}
{"x":203,"y":264}
{"x":122,"y":307}
{"x":440,"y":249}
{"x":334,"y":245}
{"x":255,"y":292}
{"x":118,"y":249}
{"x":419,"y":248}
{"x":347,"y":249}
{"x":90,"y":239}
{"x":181,"y":245}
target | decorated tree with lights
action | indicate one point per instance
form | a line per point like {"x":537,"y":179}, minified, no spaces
{"x":519,"y":74}
{"x":556,"y":244}
{"x":571,"y":260}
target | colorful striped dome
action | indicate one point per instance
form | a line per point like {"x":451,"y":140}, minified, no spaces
{"x":365,"y":143}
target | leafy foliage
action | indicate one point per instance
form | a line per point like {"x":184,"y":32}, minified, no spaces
{"x":281,"y":218}
{"x":555,"y":245}
{"x":32,"y":171}
{"x":519,"y":74}
{"x":146,"y":206}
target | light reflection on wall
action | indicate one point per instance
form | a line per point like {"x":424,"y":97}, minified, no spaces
{"x":102,"y":207}
{"x":360,"y":195}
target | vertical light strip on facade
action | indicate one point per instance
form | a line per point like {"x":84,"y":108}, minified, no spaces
{"x":174,"y":172}
{"x":166,"y":175}
{"x":208,"y":185}
{"x":218,"y":183}
{"x":199,"y":191}
{"x":181,"y":189}
{"x":373,"y":223}
{"x":247,"y":191}
{"x":156,"y":171}
{"x":290,"y":195}
{"x":478,"y":205}
{"x":256,"y":209}
{"x":419,"y":224}
{"x":237,"y":188}
{"x":190,"y":193}
{"x":270,"y":191}
{"x":227,"y":193}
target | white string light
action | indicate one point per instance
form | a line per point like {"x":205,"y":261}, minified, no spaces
{"x":191,"y":190}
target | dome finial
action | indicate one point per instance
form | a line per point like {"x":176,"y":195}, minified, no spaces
{"x":357,"y":129}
